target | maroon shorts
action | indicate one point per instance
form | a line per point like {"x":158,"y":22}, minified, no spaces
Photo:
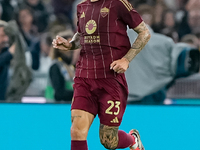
{"x":105,"y":97}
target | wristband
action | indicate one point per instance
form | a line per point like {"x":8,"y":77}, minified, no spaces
{"x":73,"y":45}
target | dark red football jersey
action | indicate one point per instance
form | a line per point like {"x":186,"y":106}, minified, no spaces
{"x":103,"y":26}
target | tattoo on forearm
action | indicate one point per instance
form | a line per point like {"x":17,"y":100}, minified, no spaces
{"x":108,"y":136}
{"x":73,"y":117}
{"x":140,"y":42}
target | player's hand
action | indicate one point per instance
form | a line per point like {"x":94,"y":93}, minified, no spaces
{"x":120,"y":65}
{"x":61,"y":43}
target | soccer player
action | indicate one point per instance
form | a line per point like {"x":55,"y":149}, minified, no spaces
{"x":100,"y":86}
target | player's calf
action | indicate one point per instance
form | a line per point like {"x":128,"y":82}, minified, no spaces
{"x":108,"y":136}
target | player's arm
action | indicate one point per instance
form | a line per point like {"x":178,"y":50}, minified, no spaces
{"x":141,"y":40}
{"x":121,"y":65}
{"x":63,"y":44}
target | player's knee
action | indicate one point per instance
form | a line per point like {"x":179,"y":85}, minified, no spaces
{"x":108,"y":144}
{"x":78,"y":134}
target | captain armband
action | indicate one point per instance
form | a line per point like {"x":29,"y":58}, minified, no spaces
{"x":75,"y":41}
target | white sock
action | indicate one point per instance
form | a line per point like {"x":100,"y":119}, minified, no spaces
{"x":136,"y":142}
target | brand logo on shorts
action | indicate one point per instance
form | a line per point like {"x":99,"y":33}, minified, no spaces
{"x":90,"y":27}
{"x":115,"y":120}
{"x":104,"y":12}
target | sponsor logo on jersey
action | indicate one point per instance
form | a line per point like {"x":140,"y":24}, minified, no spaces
{"x":92,"y":39}
{"x":90,"y":27}
{"x":104,"y":12}
{"x":83,"y":15}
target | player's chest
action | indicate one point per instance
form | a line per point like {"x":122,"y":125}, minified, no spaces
{"x":97,"y":16}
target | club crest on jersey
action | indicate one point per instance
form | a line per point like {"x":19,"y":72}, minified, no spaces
{"x":104,"y":11}
{"x":90,"y":27}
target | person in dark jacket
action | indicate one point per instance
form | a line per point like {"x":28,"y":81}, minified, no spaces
{"x":6,"y":55}
{"x":61,"y":76}
{"x":40,"y":14}
{"x":8,"y":10}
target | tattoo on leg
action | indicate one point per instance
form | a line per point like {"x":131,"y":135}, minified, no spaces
{"x":73,"y":117}
{"x":108,"y":136}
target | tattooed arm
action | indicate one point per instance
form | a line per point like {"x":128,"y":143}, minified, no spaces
{"x":121,"y":65}
{"x":140,"y":42}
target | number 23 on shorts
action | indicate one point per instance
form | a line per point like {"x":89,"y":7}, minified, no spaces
{"x":113,"y":104}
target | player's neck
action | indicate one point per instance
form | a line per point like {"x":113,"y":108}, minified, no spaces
{"x":94,"y":0}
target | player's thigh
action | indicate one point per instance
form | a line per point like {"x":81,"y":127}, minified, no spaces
{"x":81,"y":122}
{"x":112,"y":109}
{"x":112,"y":101}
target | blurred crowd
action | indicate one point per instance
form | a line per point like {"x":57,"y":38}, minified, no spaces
{"x":39,"y":21}
{"x":174,"y":18}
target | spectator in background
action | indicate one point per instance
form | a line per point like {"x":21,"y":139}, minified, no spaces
{"x":181,"y":4}
{"x":172,"y":4}
{"x":30,"y":33}
{"x":41,"y":64}
{"x":60,"y":21}
{"x":63,"y":7}
{"x":41,"y":51}
{"x":146,"y":11}
{"x":194,"y":20}
{"x":40,"y":14}
{"x":192,"y":4}
{"x":6,"y":55}
{"x":61,"y":77}
{"x":21,"y":75}
{"x":45,"y":46}
{"x":61,"y":72}
{"x":8,"y":10}
{"x":159,"y":9}
{"x":28,"y":29}
{"x":190,"y":20}
{"x":169,"y":25}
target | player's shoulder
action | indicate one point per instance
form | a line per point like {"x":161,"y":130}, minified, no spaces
{"x":124,"y":3}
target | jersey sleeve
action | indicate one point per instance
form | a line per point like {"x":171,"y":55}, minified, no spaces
{"x":128,"y":15}
{"x":78,"y":17}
